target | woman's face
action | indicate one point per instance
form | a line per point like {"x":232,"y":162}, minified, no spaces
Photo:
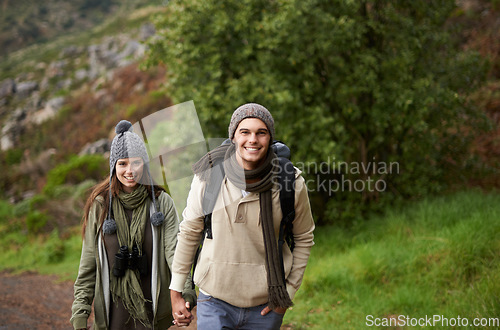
{"x":252,"y":140}
{"x":129,"y":172}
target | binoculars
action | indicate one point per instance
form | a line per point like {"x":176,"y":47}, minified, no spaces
{"x":125,"y":260}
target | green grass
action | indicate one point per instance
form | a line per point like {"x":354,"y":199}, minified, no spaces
{"x":45,"y":254}
{"x":439,"y":256}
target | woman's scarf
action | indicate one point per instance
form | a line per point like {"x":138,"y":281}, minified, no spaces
{"x":128,"y":287}
{"x":277,"y":293}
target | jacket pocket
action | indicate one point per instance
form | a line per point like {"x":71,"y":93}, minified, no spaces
{"x":240,"y":284}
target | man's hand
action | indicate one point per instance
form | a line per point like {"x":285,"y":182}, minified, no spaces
{"x":278,"y":310}
{"x":180,"y":309}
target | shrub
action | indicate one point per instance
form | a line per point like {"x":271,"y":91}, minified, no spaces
{"x":6,"y":210}
{"x":35,"y":221}
{"x":76,"y":170}
{"x":360,"y":82}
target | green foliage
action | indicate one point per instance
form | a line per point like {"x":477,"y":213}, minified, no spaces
{"x":435,"y":257}
{"x":6,"y":210}
{"x":13,"y":156}
{"x":54,"y":249}
{"x":76,"y":170}
{"x":22,"y":208}
{"x":35,"y":221}
{"x":353,"y":81}
{"x":50,"y":254}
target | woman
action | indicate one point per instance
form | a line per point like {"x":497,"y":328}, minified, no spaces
{"x":129,"y":236}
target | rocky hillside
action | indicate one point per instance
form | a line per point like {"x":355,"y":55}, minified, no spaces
{"x":63,"y":98}
{"x":24,"y":23}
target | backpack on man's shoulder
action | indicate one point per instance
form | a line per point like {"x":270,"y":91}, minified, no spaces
{"x":286,"y":182}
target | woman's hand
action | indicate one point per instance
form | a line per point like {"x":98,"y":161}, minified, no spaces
{"x":180,"y":309}
{"x":278,"y":310}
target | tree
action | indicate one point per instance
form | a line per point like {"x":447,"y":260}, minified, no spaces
{"x":353,"y":86}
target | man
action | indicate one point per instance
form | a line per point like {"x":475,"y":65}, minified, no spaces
{"x":239,"y":272}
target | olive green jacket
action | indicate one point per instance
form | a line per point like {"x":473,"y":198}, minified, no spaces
{"x":92,"y":283}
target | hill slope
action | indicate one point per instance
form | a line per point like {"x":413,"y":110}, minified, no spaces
{"x":24,"y":22}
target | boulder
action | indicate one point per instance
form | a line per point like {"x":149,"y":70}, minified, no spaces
{"x":71,"y":51}
{"x":56,"y":69}
{"x":81,"y":74}
{"x":7,"y":87}
{"x":24,"y":89}
{"x":101,"y":147}
{"x":146,"y":30}
{"x":52,"y":107}
{"x":13,"y":129}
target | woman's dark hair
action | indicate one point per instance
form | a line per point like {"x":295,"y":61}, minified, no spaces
{"x":102,"y":189}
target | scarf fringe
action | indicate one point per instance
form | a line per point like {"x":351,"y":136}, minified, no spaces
{"x":134,"y":310}
{"x":278,"y":297}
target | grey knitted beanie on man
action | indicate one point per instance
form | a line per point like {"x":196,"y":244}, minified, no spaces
{"x":251,"y":110}
{"x":127,"y":144}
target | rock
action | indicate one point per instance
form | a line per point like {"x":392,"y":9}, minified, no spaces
{"x":41,"y":66}
{"x":146,"y":30}
{"x":24,"y":89}
{"x":132,"y":51}
{"x":64,"y":84}
{"x":13,"y":129}
{"x":132,"y":48}
{"x":52,"y":107}
{"x":99,"y":147}
{"x":6,"y":142}
{"x":7,"y":87}
{"x":33,"y":103}
{"x":101,"y":60}
{"x":56,"y":69}
{"x":45,"y":84}
{"x":71,"y":51}
{"x":36,"y":165}
{"x":81,"y":74}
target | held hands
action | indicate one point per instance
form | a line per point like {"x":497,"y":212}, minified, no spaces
{"x":278,"y":310}
{"x":181,"y":310}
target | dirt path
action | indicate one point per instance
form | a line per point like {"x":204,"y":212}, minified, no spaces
{"x":34,"y":301}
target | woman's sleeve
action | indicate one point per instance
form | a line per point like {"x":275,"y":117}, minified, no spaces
{"x":170,"y":226}
{"x":171,"y":229}
{"x":85,"y":282}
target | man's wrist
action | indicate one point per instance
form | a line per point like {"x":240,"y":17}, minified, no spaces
{"x":177,"y":282}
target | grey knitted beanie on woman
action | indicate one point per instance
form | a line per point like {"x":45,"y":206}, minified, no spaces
{"x":127,"y":144}
{"x":251,"y":110}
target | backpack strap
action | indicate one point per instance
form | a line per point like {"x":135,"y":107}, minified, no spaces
{"x":286,"y":180}
{"x":210,"y":197}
